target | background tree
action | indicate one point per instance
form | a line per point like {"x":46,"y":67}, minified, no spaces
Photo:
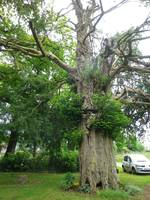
{"x":27,"y":84}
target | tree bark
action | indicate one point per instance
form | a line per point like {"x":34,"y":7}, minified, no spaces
{"x":12,"y":143}
{"x":97,"y":163}
{"x":34,"y":149}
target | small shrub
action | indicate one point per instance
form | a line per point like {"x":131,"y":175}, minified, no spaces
{"x":132,"y":189}
{"x":113,"y":194}
{"x":85,"y":188}
{"x":68,"y":181}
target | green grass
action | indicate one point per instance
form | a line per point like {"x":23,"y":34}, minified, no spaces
{"x":113,"y":195}
{"x":45,"y":186}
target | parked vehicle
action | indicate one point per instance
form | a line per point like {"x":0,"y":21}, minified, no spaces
{"x":136,"y":163}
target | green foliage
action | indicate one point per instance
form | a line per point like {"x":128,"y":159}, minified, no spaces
{"x":23,"y":161}
{"x":72,"y":139}
{"x":139,"y":147}
{"x":39,"y":163}
{"x":68,"y":105}
{"x":110,"y":194}
{"x":23,"y":7}
{"x":26,"y":86}
{"x":133,"y":144}
{"x":70,"y":161}
{"x":16,"y":162}
{"x":85,"y":188}
{"x":93,"y":73}
{"x":64,"y":161}
{"x":68,"y":181}
{"x":64,"y":117}
{"x":110,"y":118}
{"x":128,"y":142}
{"x":132,"y":189}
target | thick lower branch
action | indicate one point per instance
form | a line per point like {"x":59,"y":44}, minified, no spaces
{"x":36,"y":53}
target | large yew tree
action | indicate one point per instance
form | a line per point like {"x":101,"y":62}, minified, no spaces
{"x":96,"y":68}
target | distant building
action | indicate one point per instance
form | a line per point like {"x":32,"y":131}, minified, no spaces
{"x":146,"y":139}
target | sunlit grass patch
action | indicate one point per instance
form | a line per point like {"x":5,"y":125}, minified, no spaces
{"x":110,"y":194}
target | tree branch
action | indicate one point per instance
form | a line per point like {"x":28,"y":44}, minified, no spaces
{"x":137,"y":68}
{"x":39,"y":45}
{"x":26,"y":50}
{"x":146,"y":64}
{"x":127,"y":101}
{"x":139,"y":56}
{"x":101,"y":6}
{"x":127,"y":91}
{"x":139,"y":39}
{"x":36,"y":53}
{"x":99,"y":17}
{"x":78,"y":8}
{"x":139,"y":92}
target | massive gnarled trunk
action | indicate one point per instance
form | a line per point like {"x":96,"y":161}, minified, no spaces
{"x":97,"y":163}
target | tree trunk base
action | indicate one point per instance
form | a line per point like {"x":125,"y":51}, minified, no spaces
{"x":97,"y":163}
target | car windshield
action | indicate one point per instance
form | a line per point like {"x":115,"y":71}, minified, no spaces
{"x":140,"y":158}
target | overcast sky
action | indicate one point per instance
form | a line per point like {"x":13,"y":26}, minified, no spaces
{"x":130,"y":14}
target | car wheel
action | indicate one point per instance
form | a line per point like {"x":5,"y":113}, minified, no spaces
{"x":133,"y":170}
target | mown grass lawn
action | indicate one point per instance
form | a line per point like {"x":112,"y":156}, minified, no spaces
{"x":45,"y":186}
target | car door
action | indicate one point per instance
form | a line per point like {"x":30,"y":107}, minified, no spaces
{"x":125,"y":163}
{"x":129,"y":164}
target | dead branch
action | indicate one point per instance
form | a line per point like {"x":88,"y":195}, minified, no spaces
{"x":125,"y":94}
{"x":130,"y":101}
{"x":138,"y":69}
{"x":99,"y":17}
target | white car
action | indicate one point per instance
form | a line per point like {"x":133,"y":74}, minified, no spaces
{"x":136,"y":163}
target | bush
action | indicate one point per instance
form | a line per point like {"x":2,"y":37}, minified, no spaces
{"x":39,"y":163}
{"x":132,"y":189}
{"x":64,"y":162}
{"x":69,"y":161}
{"x":68,"y":181}
{"x":85,"y":188}
{"x":16,"y":162}
{"x":22,"y":162}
